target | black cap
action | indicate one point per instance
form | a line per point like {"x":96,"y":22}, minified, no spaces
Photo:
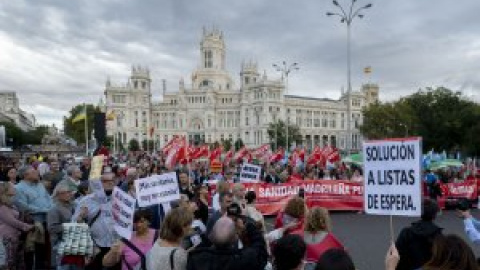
{"x":234,"y":210}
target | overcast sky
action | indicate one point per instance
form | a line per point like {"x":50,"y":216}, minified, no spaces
{"x":56,"y":54}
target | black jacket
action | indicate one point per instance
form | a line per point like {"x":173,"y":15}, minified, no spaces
{"x":253,"y":256}
{"x":272,"y":179}
{"x":414,"y":244}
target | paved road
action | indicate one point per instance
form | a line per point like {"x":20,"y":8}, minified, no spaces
{"x":367,"y":237}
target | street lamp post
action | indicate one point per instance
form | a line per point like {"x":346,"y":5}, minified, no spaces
{"x":285,"y":70}
{"x":347,"y":18}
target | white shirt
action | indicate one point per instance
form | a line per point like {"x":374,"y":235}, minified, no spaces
{"x":472,"y":227}
{"x":216,"y":202}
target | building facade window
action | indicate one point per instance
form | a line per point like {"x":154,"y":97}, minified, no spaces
{"x":119,"y":99}
{"x":208,"y":59}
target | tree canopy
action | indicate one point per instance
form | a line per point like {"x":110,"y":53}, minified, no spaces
{"x":16,"y":137}
{"x":277,"y":133}
{"x":76,"y":130}
{"x":446,"y":120}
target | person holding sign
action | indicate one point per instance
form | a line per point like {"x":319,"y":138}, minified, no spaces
{"x":96,"y":210}
{"x":131,"y":252}
{"x":414,"y":243}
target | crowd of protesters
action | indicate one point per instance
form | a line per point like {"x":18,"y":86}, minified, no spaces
{"x":226,"y":231}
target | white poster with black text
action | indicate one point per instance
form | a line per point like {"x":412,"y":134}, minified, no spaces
{"x":393,"y":177}
{"x":157,"y":189}
{"x":123,"y":208}
{"x":250,"y":173}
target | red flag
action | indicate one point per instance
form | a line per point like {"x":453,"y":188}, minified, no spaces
{"x":333,"y":157}
{"x":261,"y":151}
{"x":301,"y":154}
{"x":277,"y":156}
{"x":171,"y":159}
{"x":228,"y":157}
{"x":241,"y":154}
{"x":200,"y":152}
{"x":172,"y":143}
{"x":215,"y":154}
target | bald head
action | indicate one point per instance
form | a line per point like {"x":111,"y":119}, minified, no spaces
{"x":223,"y":233}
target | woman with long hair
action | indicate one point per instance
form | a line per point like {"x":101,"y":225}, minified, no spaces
{"x":167,"y":252}
{"x":317,"y":234}
{"x":450,"y":252}
{"x":11,"y":227}
{"x":294,"y":213}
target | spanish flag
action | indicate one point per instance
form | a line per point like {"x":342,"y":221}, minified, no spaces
{"x":367,"y":70}
{"x":81,"y":115}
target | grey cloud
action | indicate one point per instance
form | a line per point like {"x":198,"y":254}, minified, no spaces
{"x":62,"y":51}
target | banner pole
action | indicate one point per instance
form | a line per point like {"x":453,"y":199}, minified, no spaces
{"x":86,"y":129}
{"x":392,"y":233}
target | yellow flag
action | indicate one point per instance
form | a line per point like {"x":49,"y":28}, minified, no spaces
{"x":80,"y":116}
{"x":367,"y":70}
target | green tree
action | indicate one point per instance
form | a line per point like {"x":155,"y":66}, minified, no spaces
{"x":133,"y":145}
{"x":389,"y":120}
{"x":147,"y":144}
{"x":277,"y":134}
{"x":14,"y":136}
{"x":227,"y":144}
{"x":109,"y":142}
{"x":76,"y":130}
{"x":239,"y":144}
{"x":443,"y":118}
{"x":36,"y":135}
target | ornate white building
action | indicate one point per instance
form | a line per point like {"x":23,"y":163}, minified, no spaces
{"x":212,"y":107}
{"x":10,"y":111}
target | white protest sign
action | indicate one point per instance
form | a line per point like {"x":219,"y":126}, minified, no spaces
{"x":97,"y":188}
{"x":123,"y":208}
{"x":250,"y":173}
{"x":157,"y":189}
{"x":392,"y":172}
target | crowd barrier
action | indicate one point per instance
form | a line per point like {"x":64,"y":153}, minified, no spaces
{"x":341,"y":195}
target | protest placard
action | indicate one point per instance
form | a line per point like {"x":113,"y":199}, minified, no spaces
{"x":393,"y":177}
{"x":123,"y":208}
{"x":250,"y":173}
{"x":157,"y":189}
{"x":96,"y":167}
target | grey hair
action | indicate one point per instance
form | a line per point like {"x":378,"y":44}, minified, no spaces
{"x":71,"y":169}
{"x":223,"y":232}
{"x":59,"y":188}
{"x":23,"y":170}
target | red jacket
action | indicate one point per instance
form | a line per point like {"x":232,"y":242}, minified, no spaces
{"x":314,"y":251}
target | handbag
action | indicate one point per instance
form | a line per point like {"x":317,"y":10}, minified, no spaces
{"x":76,"y":240}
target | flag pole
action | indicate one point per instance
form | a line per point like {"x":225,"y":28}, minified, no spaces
{"x":86,"y":129}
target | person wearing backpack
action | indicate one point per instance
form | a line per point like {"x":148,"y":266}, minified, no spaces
{"x":131,"y":252}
